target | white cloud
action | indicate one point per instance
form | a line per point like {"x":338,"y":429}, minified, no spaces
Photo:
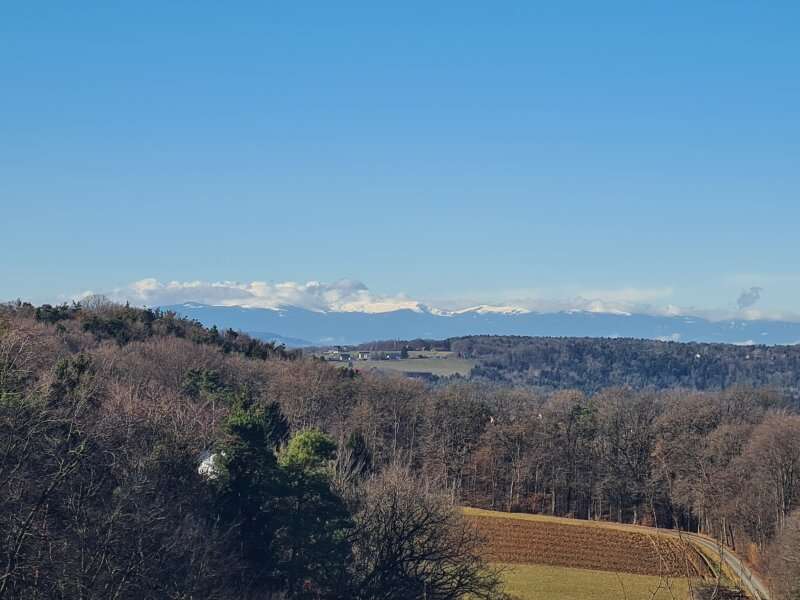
{"x":343,"y":295}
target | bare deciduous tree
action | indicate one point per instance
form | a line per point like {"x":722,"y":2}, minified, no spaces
{"x":411,"y":542}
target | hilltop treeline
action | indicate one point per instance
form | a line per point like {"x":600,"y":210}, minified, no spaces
{"x":418,"y":344}
{"x":123,"y":324}
{"x":164,"y":465}
{"x":592,"y":364}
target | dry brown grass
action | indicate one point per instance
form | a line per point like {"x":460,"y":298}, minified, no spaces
{"x":542,"y":582}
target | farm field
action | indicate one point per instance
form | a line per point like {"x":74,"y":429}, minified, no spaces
{"x":567,"y":559}
{"x":544,"y":582}
{"x":442,"y":367}
{"x":519,"y":539}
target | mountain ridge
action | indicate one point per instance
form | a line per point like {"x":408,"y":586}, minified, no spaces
{"x":307,"y":327}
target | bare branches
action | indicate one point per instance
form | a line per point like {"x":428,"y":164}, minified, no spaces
{"x":413,"y":544}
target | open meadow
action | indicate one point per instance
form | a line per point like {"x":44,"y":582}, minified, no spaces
{"x":441,"y":367}
{"x":544,"y":582}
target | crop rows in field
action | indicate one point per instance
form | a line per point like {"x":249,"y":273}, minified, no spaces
{"x":519,"y":541}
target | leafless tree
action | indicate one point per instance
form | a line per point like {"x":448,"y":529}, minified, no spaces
{"x":411,"y":542}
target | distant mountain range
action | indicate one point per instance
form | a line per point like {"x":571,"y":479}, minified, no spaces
{"x":289,"y":342}
{"x":297,"y":327}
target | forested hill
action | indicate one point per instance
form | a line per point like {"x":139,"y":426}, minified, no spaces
{"x":147,"y":457}
{"x":592,"y":364}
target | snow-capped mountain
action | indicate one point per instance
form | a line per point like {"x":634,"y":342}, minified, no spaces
{"x":485,"y":309}
{"x":322,"y":327}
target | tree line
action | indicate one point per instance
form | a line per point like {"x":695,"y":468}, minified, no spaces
{"x":595,"y":364}
{"x":592,"y":364}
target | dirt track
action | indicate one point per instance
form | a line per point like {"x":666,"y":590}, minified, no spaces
{"x":747,"y":580}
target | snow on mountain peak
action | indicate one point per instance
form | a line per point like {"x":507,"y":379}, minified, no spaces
{"x":376,"y":306}
{"x":486,"y":309}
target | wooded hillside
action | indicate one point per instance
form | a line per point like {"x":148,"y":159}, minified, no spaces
{"x":318,"y":473}
{"x":592,"y":364}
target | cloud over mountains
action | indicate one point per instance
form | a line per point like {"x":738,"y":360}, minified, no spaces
{"x":349,"y":295}
{"x":345,"y":295}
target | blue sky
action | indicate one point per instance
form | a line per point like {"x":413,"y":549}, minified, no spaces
{"x":540,"y":154}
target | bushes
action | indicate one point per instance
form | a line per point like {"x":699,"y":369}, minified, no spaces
{"x":53,"y":314}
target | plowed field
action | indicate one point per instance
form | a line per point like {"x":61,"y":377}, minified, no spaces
{"x":559,"y":542}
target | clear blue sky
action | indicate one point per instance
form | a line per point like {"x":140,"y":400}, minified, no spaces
{"x":442,"y":150}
